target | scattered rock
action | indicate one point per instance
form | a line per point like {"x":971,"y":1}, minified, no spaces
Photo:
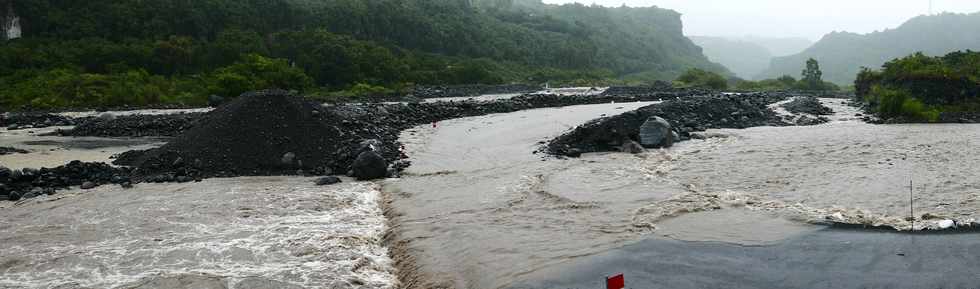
{"x":47,"y":180}
{"x":470,"y":90}
{"x":328,"y":180}
{"x":136,"y":125}
{"x":88,"y":185}
{"x":25,"y":120}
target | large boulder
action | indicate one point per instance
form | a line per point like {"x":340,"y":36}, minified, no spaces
{"x":370,"y":165}
{"x":656,"y":132}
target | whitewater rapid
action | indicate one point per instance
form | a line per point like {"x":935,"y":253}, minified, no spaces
{"x":480,"y":210}
{"x":255,"y":232}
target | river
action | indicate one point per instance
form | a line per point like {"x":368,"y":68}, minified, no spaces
{"x":480,"y":210}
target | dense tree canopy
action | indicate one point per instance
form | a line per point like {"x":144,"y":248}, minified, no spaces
{"x":337,"y":44}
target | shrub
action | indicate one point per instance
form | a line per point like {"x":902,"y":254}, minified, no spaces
{"x":705,"y":79}
{"x":256,"y":72}
{"x":897,"y":103}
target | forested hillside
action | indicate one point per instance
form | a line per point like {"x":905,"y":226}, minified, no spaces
{"x":842,"y":54}
{"x":135,"y":52}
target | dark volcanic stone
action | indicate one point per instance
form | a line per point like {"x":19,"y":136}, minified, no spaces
{"x":250,"y":136}
{"x":136,"y":125}
{"x":10,"y":150}
{"x":328,"y":180}
{"x":470,"y":90}
{"x":370,"y":165}
{"x":807,"y":105}
{"x":88,"y":185}
{"x":23,"y":120}
{"x":695,"y":113}
{"x":656,"y":133}
{"x":47,"y":180}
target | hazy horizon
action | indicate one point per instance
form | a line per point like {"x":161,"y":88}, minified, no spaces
{"x":791,"y":18}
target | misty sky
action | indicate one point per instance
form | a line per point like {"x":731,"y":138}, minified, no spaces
{"x":792,"y":18}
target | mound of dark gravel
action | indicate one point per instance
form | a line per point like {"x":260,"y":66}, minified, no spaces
{"x":25,"y":120}
{"x":29,"y":183}
{"x":686,"y":115}
{"x":808,"y":105}
{"x":252,"y":135}
{"x":135,"y":125}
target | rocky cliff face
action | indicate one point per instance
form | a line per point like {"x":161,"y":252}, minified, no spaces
{"x":9,"y":21}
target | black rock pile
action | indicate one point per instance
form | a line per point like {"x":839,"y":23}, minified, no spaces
{"x":807,"y":105}
{"x":261,"y":133}
{"x":26,"y":120}
{"x":685,"y":115}
{"x":29,"y":183}
{"x":135,"y":125}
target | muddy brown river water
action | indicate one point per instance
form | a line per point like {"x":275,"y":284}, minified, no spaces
{"x":478,"y":209}
{"x":481,"y":211}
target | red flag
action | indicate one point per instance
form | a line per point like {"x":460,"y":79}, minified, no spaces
{"x":616,"y":282}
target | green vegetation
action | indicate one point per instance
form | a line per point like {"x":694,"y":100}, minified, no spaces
{"x":812,"y":76}
{"x":135,"y":52}
{"x":782,"y":83}
{"x":702,"y":79}
{"x":842,"y":54}
{"x":920,"y":87}
{"x":811,"y":81}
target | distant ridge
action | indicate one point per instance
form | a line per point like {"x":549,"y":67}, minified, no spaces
{"x":842,"y":54}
